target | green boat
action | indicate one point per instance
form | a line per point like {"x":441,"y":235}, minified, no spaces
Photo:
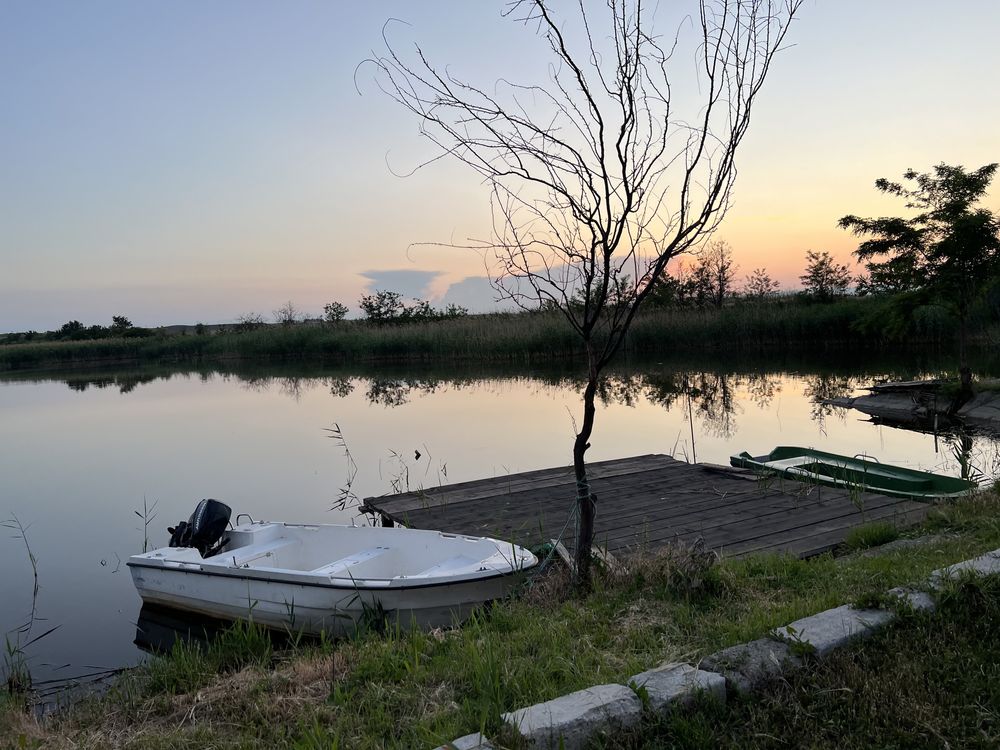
{"x":859,"y":473}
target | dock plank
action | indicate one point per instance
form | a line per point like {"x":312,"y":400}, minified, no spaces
{"x":646,"y":502}
{"x":511,"y":484}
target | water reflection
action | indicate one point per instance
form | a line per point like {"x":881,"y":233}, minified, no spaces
{"x":159,"y":629}
{"x":822,"y":387}
{"x":710,"y":393}
{"x":82,"y":449}
{"x":125,"y":383}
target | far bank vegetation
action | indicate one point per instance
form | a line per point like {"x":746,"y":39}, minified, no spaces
{"x":705,"y":304}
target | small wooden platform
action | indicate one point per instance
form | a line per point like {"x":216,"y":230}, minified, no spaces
{"x":647,"y":502}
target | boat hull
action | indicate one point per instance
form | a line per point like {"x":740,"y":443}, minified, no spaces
{"x":854,"y":474}
{"x":329,"y":578}
{"x":313,"y":609}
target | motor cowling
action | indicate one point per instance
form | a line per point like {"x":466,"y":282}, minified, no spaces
{"x":205,"y":529}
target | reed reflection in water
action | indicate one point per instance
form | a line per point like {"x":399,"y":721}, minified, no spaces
{"x":83,"y":451}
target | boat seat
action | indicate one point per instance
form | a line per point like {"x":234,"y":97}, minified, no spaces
{"x":242,"y":556}
{"x":452,"y":565}
{"x":341,"y":565}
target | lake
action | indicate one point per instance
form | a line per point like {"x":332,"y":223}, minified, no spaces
{"x":83,"y":452}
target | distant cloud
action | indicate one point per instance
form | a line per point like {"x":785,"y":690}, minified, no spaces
{"x":407,"y":282}
{"x":476,"y":294}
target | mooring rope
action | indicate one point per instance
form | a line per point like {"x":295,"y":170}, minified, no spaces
{"x":583,"y":493}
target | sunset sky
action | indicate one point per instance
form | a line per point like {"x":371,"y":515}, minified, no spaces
{"x":190,"y":161}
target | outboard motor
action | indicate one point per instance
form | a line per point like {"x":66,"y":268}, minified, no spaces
{"x":205,"y":528}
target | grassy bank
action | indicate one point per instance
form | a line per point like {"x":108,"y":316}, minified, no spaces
{"x":412,"y":689}
{"x":930,"y":681}
{"x":777,"y":326}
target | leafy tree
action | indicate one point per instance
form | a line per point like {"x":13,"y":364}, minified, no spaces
{"x":382,"y":306}
{"x":824,"y":278}
{"x":334,"y":312}
{"x":420,"y":310}
{"x":699,"y":284}
{"x":666,"y":292}
{"x":616,"y":294}
{"x":120,"y":324}
{"x":759,"y":285}
{"x":682,"y":288}
{"x":388,"y":307}
{"x":73,"y":330}
{"x":950,"y":248}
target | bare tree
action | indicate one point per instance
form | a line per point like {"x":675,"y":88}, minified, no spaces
{"x":759,"y":285}
{"x":248,"y":322}
{"x":288,"y":314}
{"x":715,"y":271}
{"x":597,"y":175}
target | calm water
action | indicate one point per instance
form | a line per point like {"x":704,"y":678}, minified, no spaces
{"x":80,"y":453}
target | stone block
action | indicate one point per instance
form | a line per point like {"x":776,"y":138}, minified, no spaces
{"x":919,"y":601}
{"x":570,"y":721}
{"x":474,"y":741}
{"x":671,"y":684}
{"x":984,"y":565}
{"x":749,"y":665}
{"x":834,"y":628}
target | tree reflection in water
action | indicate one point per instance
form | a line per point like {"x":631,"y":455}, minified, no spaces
{"x":820,"y":388}
{"x":716,"y":395}
{"x":711,"y":395}
{"x":391,"y":393}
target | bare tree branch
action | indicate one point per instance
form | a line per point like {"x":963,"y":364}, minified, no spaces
{"x":596,"y":181}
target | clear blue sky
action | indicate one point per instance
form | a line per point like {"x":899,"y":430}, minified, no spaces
{"x":184,"y":161}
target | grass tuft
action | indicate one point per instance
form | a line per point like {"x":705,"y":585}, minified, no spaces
{"x":871,"y":535}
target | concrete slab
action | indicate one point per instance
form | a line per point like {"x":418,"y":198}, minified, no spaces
{"x":834,"y":628}
{"x":474,"y":741}
{"x":570,"y":721}
{"x":674,"y":683}
{"x":919,"y":601}
{"x":988,"y":564}
{"x":747,"y":666}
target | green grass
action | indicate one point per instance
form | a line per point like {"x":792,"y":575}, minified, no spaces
{"x":929,"y":681}
{"x":871,"y":535}
{"x":502,"y":337}
{"x":413,"y":689}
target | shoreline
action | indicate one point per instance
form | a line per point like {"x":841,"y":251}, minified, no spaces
{"x":410,"y":688}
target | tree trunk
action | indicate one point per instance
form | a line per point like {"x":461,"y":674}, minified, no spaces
{"x":586,"y":501}
{"x":964,"y":371}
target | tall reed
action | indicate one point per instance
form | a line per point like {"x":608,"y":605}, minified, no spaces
{"x":499,"y":337}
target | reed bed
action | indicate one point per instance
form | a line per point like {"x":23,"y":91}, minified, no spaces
{"x":502,"y":337}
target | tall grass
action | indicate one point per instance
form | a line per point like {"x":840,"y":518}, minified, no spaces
{"x":930,"y":681}
{"x":500,"y":337}
{"x":407,"y":688}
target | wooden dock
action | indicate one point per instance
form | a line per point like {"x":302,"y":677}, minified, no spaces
{"x":647,"y":502}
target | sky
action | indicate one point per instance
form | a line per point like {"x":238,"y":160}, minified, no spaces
{"x":185,"y":161}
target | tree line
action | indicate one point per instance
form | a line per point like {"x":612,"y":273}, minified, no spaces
{"x":380,"y":307}
{"x":74,"y":330}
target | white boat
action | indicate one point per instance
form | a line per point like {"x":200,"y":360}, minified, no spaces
{"x":328,"y":578}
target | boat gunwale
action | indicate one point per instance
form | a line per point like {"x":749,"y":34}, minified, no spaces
{"x":942,"y":487}
{"x":343,"y":584}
